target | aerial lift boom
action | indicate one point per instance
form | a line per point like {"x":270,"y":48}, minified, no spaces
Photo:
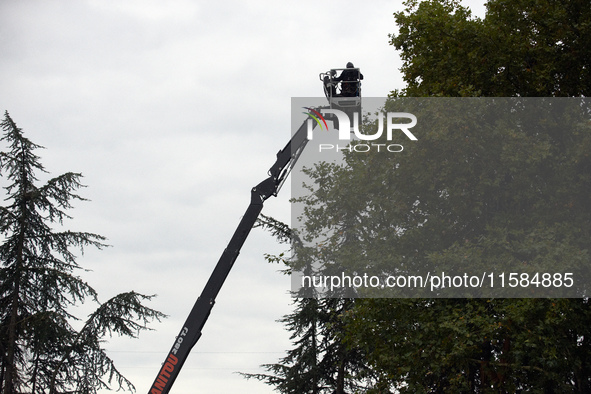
{"x":286,"y":159}
{"x":191,"y":331}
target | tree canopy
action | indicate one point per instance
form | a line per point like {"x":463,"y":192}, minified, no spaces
{"x":480,"y":197}
{"x":535,"y":48}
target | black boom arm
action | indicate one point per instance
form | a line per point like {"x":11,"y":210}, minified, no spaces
{"x":191,"y":331}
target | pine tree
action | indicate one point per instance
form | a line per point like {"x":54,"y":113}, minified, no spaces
{"x":320,"y":362}
{"x":41,"y":350}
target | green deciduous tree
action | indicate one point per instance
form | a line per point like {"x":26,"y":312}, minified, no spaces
{"x":472,"y":198}
{"x":521,"y":48}
{"x":536,"y":48}
{"x":41,"y":350}
{"x":461,"y":195}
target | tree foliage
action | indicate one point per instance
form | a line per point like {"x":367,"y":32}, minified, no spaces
{"x":42,"y":351}
{"x":536,"y":48}
{"x":522,"y":196}
{"x":475,"y":197}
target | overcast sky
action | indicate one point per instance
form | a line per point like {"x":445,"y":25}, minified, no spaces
{"x":172,"y":110}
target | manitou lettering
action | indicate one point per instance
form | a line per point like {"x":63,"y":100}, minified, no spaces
{"x":164,"y":374}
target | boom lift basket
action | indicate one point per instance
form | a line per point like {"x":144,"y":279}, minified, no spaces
{"x":344,"y":95}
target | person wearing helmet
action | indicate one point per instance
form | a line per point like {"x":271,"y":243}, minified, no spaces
{"x":349,"y":79}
